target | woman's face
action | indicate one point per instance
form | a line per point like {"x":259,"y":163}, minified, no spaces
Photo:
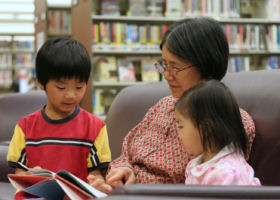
{"x":183,"y":80}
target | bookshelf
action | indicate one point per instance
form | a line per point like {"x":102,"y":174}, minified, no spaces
{"x":16,"y":61}
{"x":51,"y":20}
{"x":253,"y":34}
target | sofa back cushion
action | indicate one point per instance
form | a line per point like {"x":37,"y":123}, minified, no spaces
{"x":258,"y":92}
{"x":15,"y":106}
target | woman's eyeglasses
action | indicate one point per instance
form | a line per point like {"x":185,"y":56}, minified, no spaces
{"x":161,"y":67}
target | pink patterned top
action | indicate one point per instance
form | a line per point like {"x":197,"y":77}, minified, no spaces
{"x":153,"y":149}
{"x":228,"y":167}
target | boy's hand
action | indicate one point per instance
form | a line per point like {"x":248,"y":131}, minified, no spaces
{"x":21,"y":171}
{"x":120,"y":176}
{"x":96,"y":180}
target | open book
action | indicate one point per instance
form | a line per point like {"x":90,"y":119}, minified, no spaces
{"x":50,"y":185}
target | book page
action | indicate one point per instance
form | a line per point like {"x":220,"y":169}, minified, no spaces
{"x":80,"y":183}
{"x":38,"y":171}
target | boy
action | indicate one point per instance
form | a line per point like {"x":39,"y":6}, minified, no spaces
{"x":61,"y":135}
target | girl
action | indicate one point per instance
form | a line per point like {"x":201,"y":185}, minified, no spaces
{"x":209,"y":124}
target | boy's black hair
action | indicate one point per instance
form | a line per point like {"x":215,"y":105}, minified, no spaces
{"x":62,"y":57}
{"x":214,"y":111}
{"x":202,"y":42}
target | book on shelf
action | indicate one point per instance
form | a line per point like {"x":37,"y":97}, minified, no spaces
{"x":148,"y":71}
{"x":126,"y":70}
{"x":47,"y":184}
{"x":173,"y":8}
{"x":212,"y":8}
{"x":98,"y":102}
{"x":106,"y":69}
{"x":155,"y":8}
{"x":137,"y":8}
{"x":110,"y":7}
{"x":59,"y":22}
{"x":239,"y":63}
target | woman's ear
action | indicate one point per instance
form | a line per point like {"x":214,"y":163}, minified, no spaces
{"x":40,"y":84}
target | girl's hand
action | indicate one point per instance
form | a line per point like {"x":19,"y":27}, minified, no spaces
{"x":120,"y":176}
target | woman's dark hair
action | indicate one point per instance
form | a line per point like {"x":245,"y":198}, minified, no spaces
{"x":214,"y":111}
{"x":62,"y":57}
{"x":202,"y":42}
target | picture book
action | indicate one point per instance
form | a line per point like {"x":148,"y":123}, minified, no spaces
{"x":110,"y":7}
{"x":106,"y":70}
{"x":148,"y":71}
{"x":47,"y":184}
{"x":137,"y":8}
{"x":126,"y":70}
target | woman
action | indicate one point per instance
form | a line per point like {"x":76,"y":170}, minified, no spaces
{"x":193,"y":50}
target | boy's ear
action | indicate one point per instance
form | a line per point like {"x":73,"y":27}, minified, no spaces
{"x":40,"y":84}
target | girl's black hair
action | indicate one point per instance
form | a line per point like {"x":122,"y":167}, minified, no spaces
{"x":215,"y":112}
{"x":62,"y":57}
{"x":202,"y":42}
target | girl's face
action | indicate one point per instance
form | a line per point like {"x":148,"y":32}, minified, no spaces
{"x":63,"y":97}
{"x":189,"y":134}
{"x":182,"y":80}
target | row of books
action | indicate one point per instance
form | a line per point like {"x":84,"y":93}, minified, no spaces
{"x":117,"y":35}
{"x":272,"y":62}
{"x":102,"y":100}
{"x":124,"y":36}
{"x":5,"y":60}
{"x":238,"y":64}
{"x":245,"y":36}
{"x":273,"y":9}
{"x":135,"y":8}
{"x":5,"y":78}
{"x":132,"y":69}
{"x":125,"y":69}
{"x":24,"y":45}
{"x":174,"y":8}
{"x":59,"y":22}
{"x":212,"y":8}
{"x":24,"y":60}
{"x":6,"y":45}
{"x":245,"y":63}
{"x":20,"y":60}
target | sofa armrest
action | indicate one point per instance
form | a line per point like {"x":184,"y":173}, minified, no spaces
{"x":4,"y":146}
{"x":179,"y":190}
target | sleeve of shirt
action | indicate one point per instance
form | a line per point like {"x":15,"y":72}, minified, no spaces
{"x":250,"y":129}
{"x":16,"y":151}
{"x":125,"y":160}
{"x":100,"y":155}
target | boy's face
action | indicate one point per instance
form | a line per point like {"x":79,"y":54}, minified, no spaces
{"x":63,"y":96}
{"x":189,"y":134}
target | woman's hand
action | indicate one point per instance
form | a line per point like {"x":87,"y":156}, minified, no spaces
{"x":120,"y":176}
{"x":96,"y":180}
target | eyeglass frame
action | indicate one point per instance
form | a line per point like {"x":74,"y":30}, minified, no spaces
{"x":159,"y":65}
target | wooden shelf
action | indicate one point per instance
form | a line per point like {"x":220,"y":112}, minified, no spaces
{"x":127,"y":52}
{"x":17,"y":34}
{"x":171,"y":20}
{"x":97,"y":84}
{"x":134,"y":19}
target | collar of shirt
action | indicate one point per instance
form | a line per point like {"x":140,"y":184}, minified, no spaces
{"x":199,"y":169}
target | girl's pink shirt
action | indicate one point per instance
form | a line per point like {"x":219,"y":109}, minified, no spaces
{"x":228,"y":167}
